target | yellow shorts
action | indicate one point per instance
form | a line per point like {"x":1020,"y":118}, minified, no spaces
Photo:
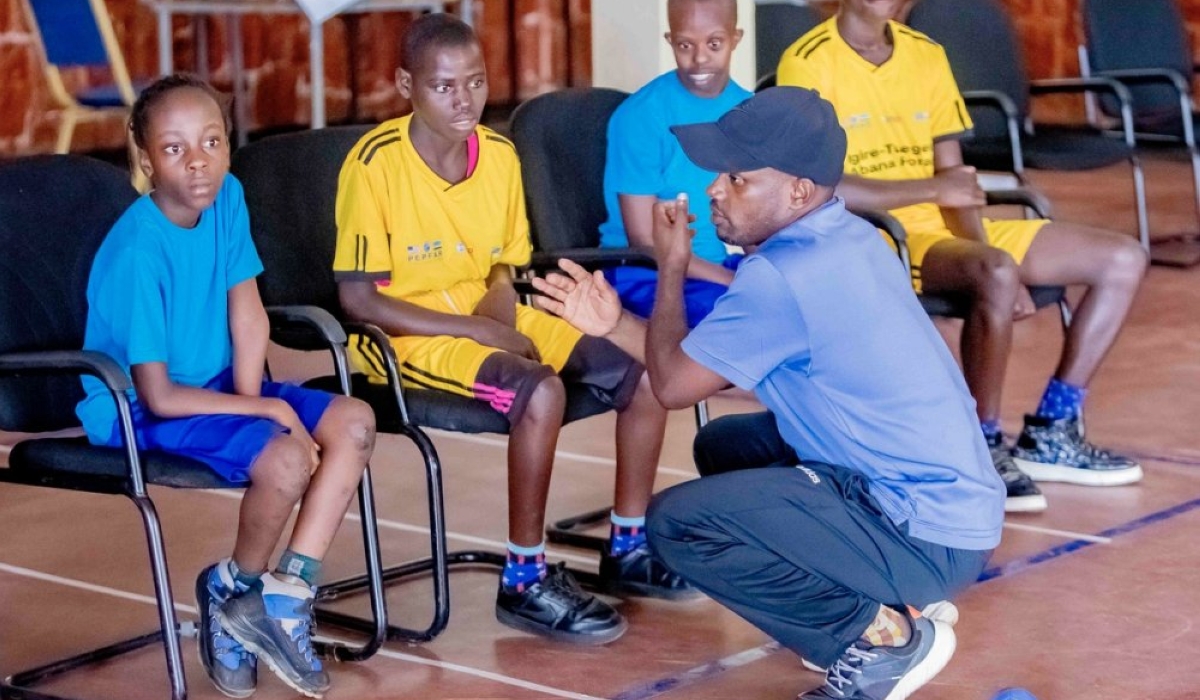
{"x":504,"y":381}
{"x":1013,"y":236}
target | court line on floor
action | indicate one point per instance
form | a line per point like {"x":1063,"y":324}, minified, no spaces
{"x":1094,"y":539}
{"x":573,"y":456}
{"x":698,"y":674}
{"x":421,"y":530}
{"x":410,"y":658}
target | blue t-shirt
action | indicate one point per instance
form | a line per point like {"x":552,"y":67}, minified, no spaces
{"x":645,"y":158}
{"x":159,"y":293}
{"x":822,"y":324}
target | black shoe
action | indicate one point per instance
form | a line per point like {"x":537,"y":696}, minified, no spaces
{"x":558,"y":608}
{"x":232,"y":669}
{"x":1055,"y":450}
{"x":1022,"y":495}
{"x":639,"y":573}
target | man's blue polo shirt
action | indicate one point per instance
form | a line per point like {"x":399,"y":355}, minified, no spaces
{"x":822,"y":325}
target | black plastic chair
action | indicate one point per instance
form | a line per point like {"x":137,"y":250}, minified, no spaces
{"x":54,"y":213}
{"x":563,"y":173}
{"x":1145,"y":46}
{"x":291,"y":190}
{"x":776,"y":26}
{"x":985,"y":56}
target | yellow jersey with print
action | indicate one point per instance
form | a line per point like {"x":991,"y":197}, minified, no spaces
{"x":892,"y":113}
{"x":419,"y":237}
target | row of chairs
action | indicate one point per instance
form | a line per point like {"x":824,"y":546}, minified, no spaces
{"x":1137,"y":67}
{"x":290,"y":183}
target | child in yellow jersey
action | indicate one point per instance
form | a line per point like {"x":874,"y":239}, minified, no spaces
{"x":431,"y":217}
{"x":903,"y":115}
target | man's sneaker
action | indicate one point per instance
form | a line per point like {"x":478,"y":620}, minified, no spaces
{"x":638,"y":572}
{"x":274,"y":620}
{"x":232,"y":669}
{"x":1022,"y":495}
{"x":942,"y":611}
{"x":889,"y":673}
{"x":558,"y":608}
{"x":1055,"y":450}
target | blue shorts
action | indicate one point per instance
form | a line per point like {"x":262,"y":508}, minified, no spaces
{"x":227,"y":443}
{"x":636,"y":287}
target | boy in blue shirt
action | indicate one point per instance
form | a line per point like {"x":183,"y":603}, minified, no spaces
{"x":172,"y":299}
{"x":645,"y":162}
{"x":883,"y":494}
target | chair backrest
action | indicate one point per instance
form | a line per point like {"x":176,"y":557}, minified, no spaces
{"x":776,"y":26}
{"x":1122,"y":34}
{"x":79,"y":33}
{"x":984,"y":54}
{"x":54,"y":213}
{"x":291,"y":188}
{"x":562,"y":138}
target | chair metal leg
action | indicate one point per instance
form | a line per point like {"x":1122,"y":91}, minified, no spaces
{"x":1139,"y":194}
{"x":21,"y":686}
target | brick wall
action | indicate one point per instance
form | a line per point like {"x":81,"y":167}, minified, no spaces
{"x":276,"y":51}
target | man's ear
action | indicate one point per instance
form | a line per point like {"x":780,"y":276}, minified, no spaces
{"x":737,"y":38}
{"x":803,"y":192}
{"x":404,"y":83}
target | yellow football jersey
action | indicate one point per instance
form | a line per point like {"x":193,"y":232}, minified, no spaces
{"x":892,"y":113}
{"x":415,"y":235}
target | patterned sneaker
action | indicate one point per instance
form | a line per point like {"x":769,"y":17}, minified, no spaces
{"x":637,"y":572}
{"x":232,"y":669}
{"x":1023,"y":496}
{"x":1055,"y":450}
{"x":889,"y":673}
{"x":942,"y":611}
{"x":274,"y":620}
{"x":557,"y":607}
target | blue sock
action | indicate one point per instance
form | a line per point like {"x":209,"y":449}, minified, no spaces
{"x":1061,"y":400}
{"x":244,"y":579}
{"x":524,"y":567}
{"x":991,"y":430}
{"x":627,"y":534}
{"x":304,"y":568}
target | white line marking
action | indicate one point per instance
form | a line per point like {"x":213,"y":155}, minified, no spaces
{"x":149,"y":600}
{"x":83,"y":585}
{"x":418,"y":529}
{"x":572,"y":456}
{"x":1060,"y":533}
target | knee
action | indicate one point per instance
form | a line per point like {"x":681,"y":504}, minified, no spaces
{"x":1126,"y":264}
{"x":284,"y":465}
{"x":995,"y":279}
{"x":547,"y":400}
{"x":356,"y":423}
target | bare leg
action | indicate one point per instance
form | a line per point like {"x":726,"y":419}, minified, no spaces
{"x":346,"y":434}
{"x":1110,"y":265}
{"x":640,"y":429}
{"x":278,"y":480}
{"x":990,"y":278}
{"x":531,"y":444}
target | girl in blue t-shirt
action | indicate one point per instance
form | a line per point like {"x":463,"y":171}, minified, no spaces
{"x":172,"y":297}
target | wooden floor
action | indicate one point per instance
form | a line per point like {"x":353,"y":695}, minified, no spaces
{"x":1093,"y":599}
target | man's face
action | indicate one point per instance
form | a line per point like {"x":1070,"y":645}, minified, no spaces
{"x":448,"y":90}
{"x":748,"y":207}
{"x":879,"y":10}
{"x":702,"y":37}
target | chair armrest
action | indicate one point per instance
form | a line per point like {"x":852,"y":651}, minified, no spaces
{"x":1069,"y":85}
{"x":308,"y":322}
{"x":892,"y":227}
{"x":1021,"y":197}
{"x":1149,"y":75}
{"x":993,"y":98}
{"x":89,"y":362}
{"x":594,"y":258}
{"x":375,"y":335}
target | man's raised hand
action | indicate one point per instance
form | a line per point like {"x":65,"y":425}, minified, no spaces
{"x":585,"y":300}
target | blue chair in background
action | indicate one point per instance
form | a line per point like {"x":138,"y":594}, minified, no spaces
{"x":79,"y":33}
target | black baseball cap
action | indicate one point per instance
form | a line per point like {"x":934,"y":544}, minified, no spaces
{"x":790,"y":129}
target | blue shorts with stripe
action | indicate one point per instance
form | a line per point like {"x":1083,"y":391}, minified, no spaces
{"x":227,"y":444}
